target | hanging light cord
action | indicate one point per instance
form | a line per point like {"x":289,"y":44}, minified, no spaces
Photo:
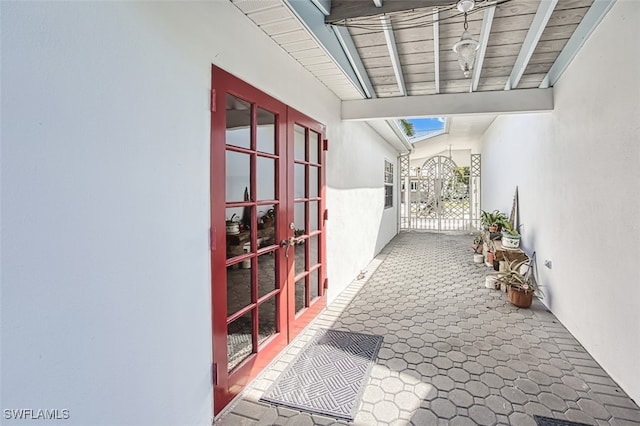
{"x":466,"y":24}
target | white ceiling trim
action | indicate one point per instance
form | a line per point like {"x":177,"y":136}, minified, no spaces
{"x":354,"y":59}
{"x":545,"y":9}
{"x":589,"y":22}
{"x":487,"y":22}
{"x":436,"y":48}
{"x":497,"y":102}
{"x":313,"y":20}
{"x":323,"y":5}
{"x":387,"y":28}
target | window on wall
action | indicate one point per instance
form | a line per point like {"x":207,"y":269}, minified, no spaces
{"x":388,"y":184}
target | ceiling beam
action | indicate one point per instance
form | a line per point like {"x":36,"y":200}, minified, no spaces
{"x":497,"y":102}
{"x":545,"y":9}
{"x":487,"y":22}
{"x":387,"y":29}
{"x":348,"y":9}
{"x":323,"y":5}
{"x":313,"y":20}
{"x":589,"y":22}
{"x":354,"y":58}
{"x":436,"y":48}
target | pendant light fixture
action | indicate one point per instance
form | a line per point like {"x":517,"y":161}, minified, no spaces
{"x":466,"y":47}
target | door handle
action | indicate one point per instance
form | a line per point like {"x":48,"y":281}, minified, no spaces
{"x":288,"y":243}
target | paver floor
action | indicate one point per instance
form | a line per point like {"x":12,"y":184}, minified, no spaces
{"x":454,"y":352}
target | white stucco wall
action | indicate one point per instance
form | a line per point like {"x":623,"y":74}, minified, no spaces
{"x":359,"y":226}
{"x":578,"y":177}
{"x":105,"y":275}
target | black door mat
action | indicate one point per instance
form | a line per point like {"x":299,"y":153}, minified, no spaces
{"x":328,"y":376}
{"x":548,"y":421}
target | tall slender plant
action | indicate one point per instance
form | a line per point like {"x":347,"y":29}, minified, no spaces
{"x":407,"y":127}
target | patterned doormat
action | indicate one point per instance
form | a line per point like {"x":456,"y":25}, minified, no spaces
{"x":548,"y":421}
{"x":328,"y":375}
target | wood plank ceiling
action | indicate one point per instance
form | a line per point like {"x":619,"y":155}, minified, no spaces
{"x":425,"y":72}
{"x":522,"y":41}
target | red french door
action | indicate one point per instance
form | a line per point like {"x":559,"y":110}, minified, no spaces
{"x":306,"y":188}
{"x":268,"y":240}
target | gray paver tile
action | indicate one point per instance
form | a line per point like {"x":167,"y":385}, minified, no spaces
{"x":499,"y":405}
{"x":553,"y":402}
{"x":422,"y":417}
{"x":621,"y":413}
{"x":461,"y":421}
{"x":477,"y":389}
{"x":513,"y":395}
{"x":482,"y":415}
{"x":443,"y":408}
{"x":461,"y":398}
{"x":385,"y":411}
{"x":594,"y":409}
{"x":447,"y":356}
{"x":443,"y":383}
{"x":527,"y":386}
{"x":564,"y":392}
{"x":521,"y":419}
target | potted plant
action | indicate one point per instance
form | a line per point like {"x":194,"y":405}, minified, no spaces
{"x":510,"y":236}
{"x":493,"y":221}
{"x":477,"y":246}
{"x":521,"y":286}
{"x":268,"y":218}
{"x":233,"y":225}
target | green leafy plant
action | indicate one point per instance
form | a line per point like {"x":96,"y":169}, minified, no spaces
{"x":270,"y":214}
{"x":494,"y":218}
{"x":512,"y":277}
{"x":407,"y":127}
{"x":477,"y":244}
{"x":233,"y":220}
{"x":509,"y":229}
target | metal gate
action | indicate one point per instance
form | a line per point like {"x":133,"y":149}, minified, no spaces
{"x":440,"y":195}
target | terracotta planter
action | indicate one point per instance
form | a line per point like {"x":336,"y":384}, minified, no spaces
{"x":489,"y":258}
{"x":493,"y":229}
{"x":520,"y":298}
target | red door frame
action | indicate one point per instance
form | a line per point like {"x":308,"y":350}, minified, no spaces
{"x":228,"y":384}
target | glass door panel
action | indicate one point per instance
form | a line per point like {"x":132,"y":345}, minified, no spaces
{"x":239,"y":340}
{"x":313,"y":216}
{"x":314,"y":179}
{"x":301,"y":295}
{"x":300,"y":257}
{"x":300,"y":147}
{"x":238,"y":121}
{"x":237,"y":177}
{"x":267,"y":274}
{"x":314,"y":283}
{"x":314,"y":146}
{"x":266,"y":178}
{"x":267,"y":319}
{"x":266,"y":131}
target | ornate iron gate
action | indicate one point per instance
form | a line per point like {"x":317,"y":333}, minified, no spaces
{"x":440,"y":195}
